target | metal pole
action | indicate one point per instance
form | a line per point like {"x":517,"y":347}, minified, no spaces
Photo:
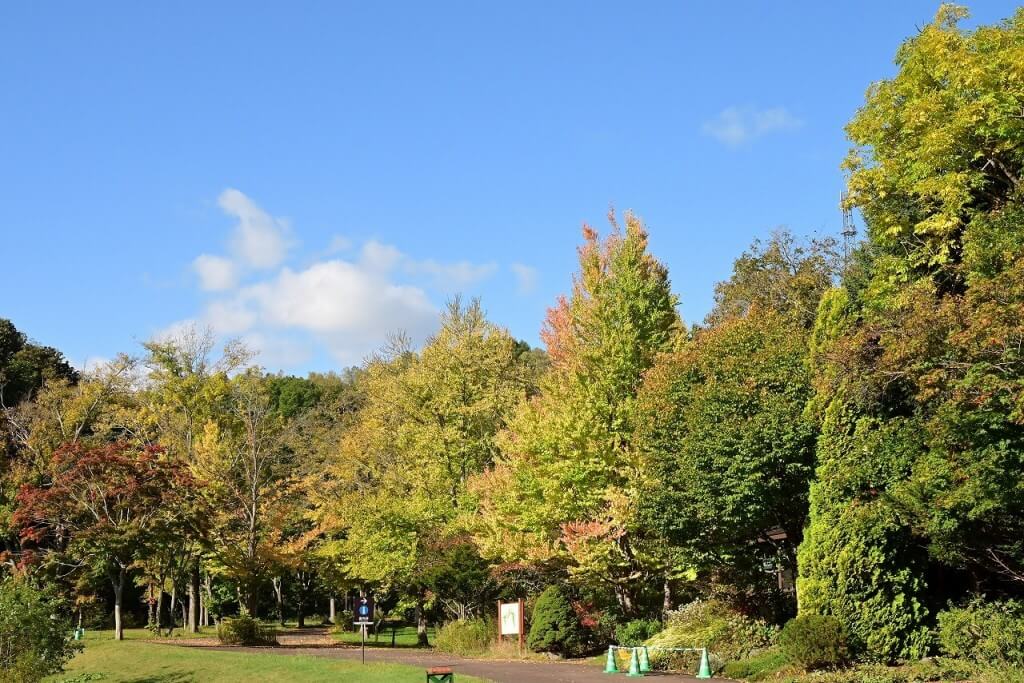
{"x":362,"y":638}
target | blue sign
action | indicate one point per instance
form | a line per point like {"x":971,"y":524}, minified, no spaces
{"x":364,"y":611}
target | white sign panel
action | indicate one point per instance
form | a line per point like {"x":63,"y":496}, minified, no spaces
{"x":509,"y":618}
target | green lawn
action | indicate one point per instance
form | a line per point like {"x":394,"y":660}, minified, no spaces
{"x":136,"y":661}
{"x":404,"y":637}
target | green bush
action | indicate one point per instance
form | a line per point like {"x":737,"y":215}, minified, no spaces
{"x":244,"y":630}
{"x":464,"y":637}
{"x":35,"y":632}
{"x":636,"y":632}
{"x":814,"y":641}
{"x":554,"y":626}
{"x":989,"y":633}
{"x":727,"y":634}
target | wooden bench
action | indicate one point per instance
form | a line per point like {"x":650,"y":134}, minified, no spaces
{"x":440,"y":674}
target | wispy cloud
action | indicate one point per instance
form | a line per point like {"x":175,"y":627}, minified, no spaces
{"x":736,"y":125}
{"x":526,"y":277}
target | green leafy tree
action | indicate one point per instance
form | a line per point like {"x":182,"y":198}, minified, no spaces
{"x":35,"y":631}
{"x":25,"y":366}
{"x":722,"y":429}
{"x":562,"y":490}
{"x":396,"y":487}
{"x":730,"y":451}
{"x":249,"y":478}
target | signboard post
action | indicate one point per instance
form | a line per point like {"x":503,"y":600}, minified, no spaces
{"x":364,"y":617}
{"x":511,"y":621}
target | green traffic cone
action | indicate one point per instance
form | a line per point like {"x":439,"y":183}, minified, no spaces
{"x":610,"y":667}
{"x":705,"y":666}
{"x":645,"y":660}
{"x":634,"y":664}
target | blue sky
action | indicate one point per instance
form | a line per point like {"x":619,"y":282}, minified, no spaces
{"x":309,"y":176}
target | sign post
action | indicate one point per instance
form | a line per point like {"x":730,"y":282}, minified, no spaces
{"x":511,"y":621}
{"x":364,"y":617}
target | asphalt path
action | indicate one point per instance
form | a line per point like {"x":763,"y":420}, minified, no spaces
{"x":317,"y":642}
{"x":500,"y":671}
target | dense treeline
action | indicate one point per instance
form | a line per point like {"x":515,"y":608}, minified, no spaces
{"x":841,"y":436}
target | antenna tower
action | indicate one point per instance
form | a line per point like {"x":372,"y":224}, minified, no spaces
{"x":849,"y":229}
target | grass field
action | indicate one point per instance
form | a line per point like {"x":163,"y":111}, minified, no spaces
{"x":404,"y":637}
{"x":136,"y":661}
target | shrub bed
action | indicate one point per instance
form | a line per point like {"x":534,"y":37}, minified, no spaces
{"x":464,"y":637}
{"x":727,"y":634}
{"x":989,"y":633}
{"x":245,"y":630}
{"x":814,"y":641}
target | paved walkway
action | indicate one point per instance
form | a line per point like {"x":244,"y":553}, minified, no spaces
{"x":317,"y":643}
{"x":498,"y":671}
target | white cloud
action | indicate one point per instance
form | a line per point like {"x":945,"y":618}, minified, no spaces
{"x":277,"y":352}
{"x":92,"y":364}
{"x":339,"y":243}
{"x":526,"y":277}
{"x":379,"y":258}
{"x":349,"y":306}
{"x":339,"y":297}
{"x":260,"y":240}
{"x":178,"y":329}
{"x":452,"y":276}
{"x":216,"y":273}
{"x":736,"y":125}
{"x":229,"y":316}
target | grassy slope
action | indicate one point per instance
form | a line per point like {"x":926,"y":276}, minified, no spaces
{"x":135,"y":661}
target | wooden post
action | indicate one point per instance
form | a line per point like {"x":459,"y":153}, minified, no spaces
{"x":522,"y":627}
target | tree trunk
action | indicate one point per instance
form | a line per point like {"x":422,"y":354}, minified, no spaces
{"x":666,"y":604}
{"x":159,"y":604}
{"x":150,"y":603}
{"x":332,"y":613}
{"x":277,"y":583}
{"x":208,"y":599}
{"x":251,"y":601}
{"x":421,"y":624}
{"x":193,"y":598}
{"x":624,"y":599}
{"x":118,"y":583}
{"x":172,"y":608}
{"x":184,"y":613}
